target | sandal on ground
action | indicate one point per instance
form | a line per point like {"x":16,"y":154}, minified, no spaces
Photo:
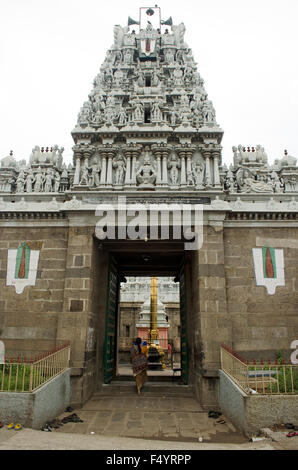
{"x":11,"y":426}
{"x":289,"y":426}
{"x":292,"y":434}
{"x":65,"y":420}
{"x":214,"y":414}
{"x":18,"y":426}
{"x":46,"y":429}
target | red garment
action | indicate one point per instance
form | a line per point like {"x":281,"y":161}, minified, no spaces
{"x":139,"y":361}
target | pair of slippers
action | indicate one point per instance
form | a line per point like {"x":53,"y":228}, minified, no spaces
{"x":74,"y":418}
{"x":69,"y":409}
{"x":55,"y":424}
{"x":214,"y":414}
{"x":16,"y":427}
{"x":291,"y":426}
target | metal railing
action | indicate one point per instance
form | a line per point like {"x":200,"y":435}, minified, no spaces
{"x":259,"y":376}
{"x":22,"y":376}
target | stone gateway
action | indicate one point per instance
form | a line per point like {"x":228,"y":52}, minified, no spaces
{"x":147,"y":137}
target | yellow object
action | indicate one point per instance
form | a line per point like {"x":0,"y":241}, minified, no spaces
{"x":10,"y":426}
{"x":18,"y":427}
{"x":153,"y":334}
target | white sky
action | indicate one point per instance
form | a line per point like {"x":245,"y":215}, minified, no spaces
{"x":246,"y":51}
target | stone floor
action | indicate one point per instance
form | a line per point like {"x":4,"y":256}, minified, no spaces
{"x":161,"y":417}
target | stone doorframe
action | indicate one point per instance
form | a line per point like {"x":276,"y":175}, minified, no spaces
{"x":82,"y":319}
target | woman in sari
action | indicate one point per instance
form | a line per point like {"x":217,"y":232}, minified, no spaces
{"x":139,"y":363}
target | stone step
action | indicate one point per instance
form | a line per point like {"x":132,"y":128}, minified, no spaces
{"x":151,"y":378}
{"x":156,"y":389}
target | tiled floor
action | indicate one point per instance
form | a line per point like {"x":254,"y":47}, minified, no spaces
{"x":151,"y":417}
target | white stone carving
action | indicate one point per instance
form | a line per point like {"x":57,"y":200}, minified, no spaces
{"x":119,"y":165}
{"x":174,"y":166}
{"x":146,"y":172}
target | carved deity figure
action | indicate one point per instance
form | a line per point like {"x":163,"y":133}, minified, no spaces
{"x":57,"y":179}
{"x":94,"y":180}
{"x":155,"y":78}
{"x":122,"y":117}
{"x":140,"y":78}
{"x":29,"y":181}
{"x":127,"y":56}
{"x":85,"y":114}
{"x":85,"y":175}
{"x":248,"y":183}
{"x":97,"y":118}
{"x":177,"y":75}
{"x":174,"y":116}
{"x":146,"y":174}
{"x":118,"y":78}
{"x":120,"y":166}
{"x":179,"y":31}
{"x":138,"y":112}
{"x":21,"y":182}
{"x":198,"y":171}
{"x":109,"y":116}
{"x":196,"y":118}
{"x":39,"y":181}
{"x":188,"y":75}
{"x":156,"y":113}
{"x":230,"y":183}
{"x":173,"y":166}
{"x":208,"y":112}
{"x":190,"y":178}
{"x":169,"y":56}
{"x":48,"y":182}
{"x":181,"y":56}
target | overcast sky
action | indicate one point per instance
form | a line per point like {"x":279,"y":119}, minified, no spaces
{"x":246,"y":52}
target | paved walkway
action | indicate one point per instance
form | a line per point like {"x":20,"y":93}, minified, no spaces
{"x":163,"y":418}
{"x":28,"y":439}
{"x":119,"y":419}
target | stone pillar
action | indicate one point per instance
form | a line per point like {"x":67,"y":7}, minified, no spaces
{"x":164,"y":168}
{"x":109,"y":181}
{"x":216,"y":177}
{"x":158,"y":175}
{"x":188,"y":162}
{"x":128,"y":168}
{"x":183,"y":180}
{"x":208,"y":180}
{"x":189,"y":154}
{"x":103,"y":169}
{"x":76,"y":319}
{"x":212,"y":322}
{"x":133,"y":180}
{"x":77,"y":156}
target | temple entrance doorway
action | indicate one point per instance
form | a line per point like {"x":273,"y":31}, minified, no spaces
{"x":131,"y":269}
{"x":141,"y":312}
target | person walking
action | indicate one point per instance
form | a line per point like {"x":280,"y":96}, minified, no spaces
{"x":139,"y":363}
